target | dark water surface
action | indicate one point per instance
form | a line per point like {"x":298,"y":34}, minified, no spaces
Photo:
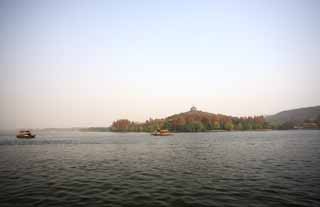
{"x":277,"y":168}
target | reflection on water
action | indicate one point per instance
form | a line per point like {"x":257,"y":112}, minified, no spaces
{"x":277,"y":168}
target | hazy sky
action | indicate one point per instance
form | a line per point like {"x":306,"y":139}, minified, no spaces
{"x":87,"y":63}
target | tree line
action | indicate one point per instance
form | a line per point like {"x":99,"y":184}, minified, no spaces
{"x":193,"y":122}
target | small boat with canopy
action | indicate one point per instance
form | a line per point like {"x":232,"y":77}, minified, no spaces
{"x":25,"y":134}
{"x":162,"y":132}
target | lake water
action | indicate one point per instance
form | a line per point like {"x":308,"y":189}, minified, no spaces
{"x":276,"y":168}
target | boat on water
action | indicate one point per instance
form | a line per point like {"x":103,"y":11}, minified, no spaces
{"x":25,"y":134}
{"x":163,"y":132}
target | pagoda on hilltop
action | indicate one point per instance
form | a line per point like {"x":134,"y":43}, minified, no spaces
{"x":193,"y":108}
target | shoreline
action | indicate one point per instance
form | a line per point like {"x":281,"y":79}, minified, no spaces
{"x":215,"y":131}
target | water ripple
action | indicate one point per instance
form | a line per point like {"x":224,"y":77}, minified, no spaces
{"x":205,"y":169}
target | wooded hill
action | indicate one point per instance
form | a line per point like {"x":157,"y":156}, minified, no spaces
{"x":193,"y":121}
{"x":297,"y":116}
{"x":308,"y":118}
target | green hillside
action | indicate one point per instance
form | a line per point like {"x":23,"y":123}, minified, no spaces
{"x":296,"y":116}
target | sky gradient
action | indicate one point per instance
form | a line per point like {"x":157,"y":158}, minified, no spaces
{"x":87,"y":63}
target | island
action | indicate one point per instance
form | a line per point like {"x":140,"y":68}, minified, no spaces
{"x":193,"y":120}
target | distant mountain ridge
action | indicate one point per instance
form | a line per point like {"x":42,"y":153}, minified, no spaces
{"x":297,"y":116}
